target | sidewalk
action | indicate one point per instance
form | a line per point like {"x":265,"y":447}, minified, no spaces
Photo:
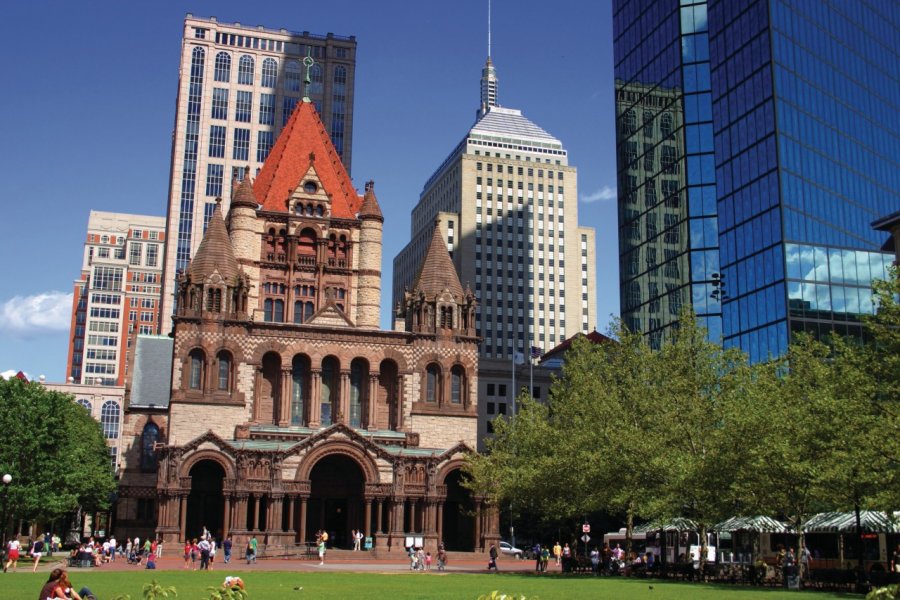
{"x":399,"y":564}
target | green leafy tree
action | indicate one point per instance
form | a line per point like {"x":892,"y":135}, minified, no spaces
{"x":701,"y":392}
{"x":55,"y":452}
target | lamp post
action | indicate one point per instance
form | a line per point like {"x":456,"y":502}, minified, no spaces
{"x":7,"y":479}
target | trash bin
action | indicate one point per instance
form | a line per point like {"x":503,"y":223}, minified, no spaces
{"x":793,"y":582}
{"x":367,"y":543}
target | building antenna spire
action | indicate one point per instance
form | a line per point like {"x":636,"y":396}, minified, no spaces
{"x":488,"y":77}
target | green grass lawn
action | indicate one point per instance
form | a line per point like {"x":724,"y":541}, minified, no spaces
{"x":280,"y":585}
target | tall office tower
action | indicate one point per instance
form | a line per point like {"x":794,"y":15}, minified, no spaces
{"x":116,"y":295}
{"x":756,"y":143}
{"x":506,"y":202}
{"x":237,"y":87}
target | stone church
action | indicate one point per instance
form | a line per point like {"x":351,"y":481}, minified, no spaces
{"x":290,"y":410}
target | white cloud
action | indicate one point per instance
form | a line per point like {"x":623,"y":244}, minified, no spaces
{"x":602,"y":195}
{"x":31,"y":316}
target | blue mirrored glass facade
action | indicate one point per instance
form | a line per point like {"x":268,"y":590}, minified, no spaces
{"x":790,"y":145}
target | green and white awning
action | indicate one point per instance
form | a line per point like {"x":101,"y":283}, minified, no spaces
{"x":845,"y":522}
{"x":676,"y":524}
{"x":758,"y":524}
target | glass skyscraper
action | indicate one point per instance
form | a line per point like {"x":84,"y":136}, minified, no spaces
{"x":757,"y":141}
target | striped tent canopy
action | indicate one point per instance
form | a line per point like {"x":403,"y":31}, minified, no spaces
{"x":758,"y":524}
{"x":845,"y":522}
{"x":676,"y":524}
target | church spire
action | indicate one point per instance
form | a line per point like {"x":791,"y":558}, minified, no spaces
{"x":488,"y":76}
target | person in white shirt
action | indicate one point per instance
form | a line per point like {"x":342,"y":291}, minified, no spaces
{"x":13,"y":547}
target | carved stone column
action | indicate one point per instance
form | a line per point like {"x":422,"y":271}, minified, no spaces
{"x":371,"y":399}
{"x":413,"y":515}
{"x":276,"y":513}
{"x":254,"y":524}
{"x":182,"y":521}
{"x":367,"y":527}
{"x":290,"y":504}
{"x":478,"y":519}
{"x":226,"y":520}
{"x":440,"y":521}
{"x":315,"y":398}
{"x":344,"y":399}
{"x":378,"y":507}
{"x":257,"y":387}
{"x":303,"y":501}
{"x":398,"y":404}
{"x":284,"y":411}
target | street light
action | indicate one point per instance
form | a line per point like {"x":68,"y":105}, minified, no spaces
{"x":7,"y":479}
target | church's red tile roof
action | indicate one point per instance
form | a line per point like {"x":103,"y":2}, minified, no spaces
{"x":304,"y":142}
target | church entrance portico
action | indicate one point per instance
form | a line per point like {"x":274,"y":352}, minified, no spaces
{"x":336,"y":502}
{"x":205,"y":502}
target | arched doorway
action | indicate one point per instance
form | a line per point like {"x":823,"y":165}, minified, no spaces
{"x":336,"y":499}
{"x":458,"y":526}
{"x":205,"y":503}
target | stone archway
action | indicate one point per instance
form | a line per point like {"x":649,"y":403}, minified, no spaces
{"x":336,"y":503}
{"x":458,"y":522}
{"x":206,"y":502}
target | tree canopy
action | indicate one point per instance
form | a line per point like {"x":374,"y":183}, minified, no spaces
{"x":54,"y":450}
{"x":694,"y":430}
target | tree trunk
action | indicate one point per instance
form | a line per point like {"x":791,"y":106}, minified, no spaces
{"x":629,"y":526}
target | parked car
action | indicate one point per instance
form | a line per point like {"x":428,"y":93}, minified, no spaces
{"x":508,"y":549}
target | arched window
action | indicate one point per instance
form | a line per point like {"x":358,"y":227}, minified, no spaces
{"x":149,"y":437}
{"x":268,"y":306}
{"x":245,"y":70}
{"x":316,"y":79}
{"x":292,"y":76}
{"x":195,"y":376}
{"x":223,"y":67}
{"x":358,"y":377}
{"x":86,"y":404}
{"x":308,"y":310}
{"x":298,"y":311}
{"x":433,"y":383}
{"x":224,"y":375}
{"x":299,"y":387}
{"x":269,"y":73}
{"x":330,"y":392}
{"x":278,"y":311}
{"x":109,"y":419}
{"x":446,"y":317}
{"x":457,"y":381}
{"x":340,"y":75}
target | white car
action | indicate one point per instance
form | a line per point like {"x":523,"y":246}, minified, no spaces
{"x":506,"y":548}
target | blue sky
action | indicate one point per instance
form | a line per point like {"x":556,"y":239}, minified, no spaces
{"x":87,"y":118}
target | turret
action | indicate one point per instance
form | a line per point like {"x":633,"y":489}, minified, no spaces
{"x":370,"y":244}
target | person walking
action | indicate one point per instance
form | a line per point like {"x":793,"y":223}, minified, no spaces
{"x":321,"y":539}
{"x":441,"y":558}
{"x":204,"y":554}
{"x":226,"y":549}
{"x":492,"y":564}
{"x":536,"y":550}
{"x":252,"y":547}
{"x":13,"y":547}
{"x":37,"y":551}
